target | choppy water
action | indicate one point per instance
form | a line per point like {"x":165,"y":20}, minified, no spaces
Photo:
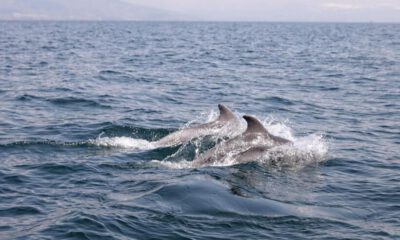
{"x":80,"y":102}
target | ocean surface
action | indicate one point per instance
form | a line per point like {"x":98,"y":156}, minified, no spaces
{"x":81,"y":103}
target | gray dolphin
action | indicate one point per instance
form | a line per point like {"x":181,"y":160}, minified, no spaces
{"x":248,"y":146}
{"x":226,"y":119}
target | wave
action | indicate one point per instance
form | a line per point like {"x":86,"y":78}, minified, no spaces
{"x":63,"y":101}
{"x":198,"y":189}
{"x":117,"y":142}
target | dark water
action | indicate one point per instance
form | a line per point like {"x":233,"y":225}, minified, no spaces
{"x":64,"y":84}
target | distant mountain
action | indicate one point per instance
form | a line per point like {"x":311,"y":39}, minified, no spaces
{"x":82,"y":10}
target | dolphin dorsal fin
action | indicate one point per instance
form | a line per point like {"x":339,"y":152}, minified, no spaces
{"x":225,"y":113}
{"x":254,"y":125}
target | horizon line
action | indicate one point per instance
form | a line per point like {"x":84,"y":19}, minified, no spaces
{"x":195,"y":21}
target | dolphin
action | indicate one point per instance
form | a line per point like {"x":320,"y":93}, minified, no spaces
{"x":226,"y":120}
{"x":248,"y":146}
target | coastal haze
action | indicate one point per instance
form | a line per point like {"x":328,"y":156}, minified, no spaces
{"x":82,"y":10}
{"x":206,"y":10}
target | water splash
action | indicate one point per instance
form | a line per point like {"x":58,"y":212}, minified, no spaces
{"x":123,"y":142}
{"x":311,"y":149}
{"x":229,"y":130}
{"x":305,"y":150}
{"x":203,"y":117}
{"x":279,"y":128}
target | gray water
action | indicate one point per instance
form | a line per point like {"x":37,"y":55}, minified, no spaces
{"x":80,"y":102}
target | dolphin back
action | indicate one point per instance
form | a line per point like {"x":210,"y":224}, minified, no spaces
{"x":225,"y":118}
{"x":224,"y":113}
{"x":254,"y":125}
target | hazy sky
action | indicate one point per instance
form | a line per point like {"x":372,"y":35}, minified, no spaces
{"x":206,"y":10}
{"x":284,"y":10}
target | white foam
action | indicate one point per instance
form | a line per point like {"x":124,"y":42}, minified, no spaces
{"x":278,"y":128}
{"x":122,"y":142}
{"x":174,"y":165}
{"x":311,"y":149}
